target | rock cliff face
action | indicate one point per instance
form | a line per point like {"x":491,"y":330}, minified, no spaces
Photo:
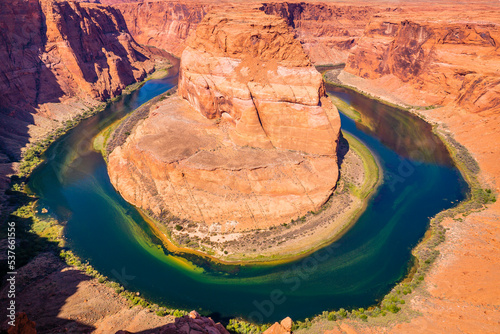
{"x":255,"y":146}
{"x":60,"y":51}
{"x":327,"y":32}
{"x":252,"y":71}
{"x":56,"y":49}
{"x":428,"y":61}
{"x":163,"y":24}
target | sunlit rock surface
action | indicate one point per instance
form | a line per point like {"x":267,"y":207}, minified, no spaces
{"x":253,"y":142}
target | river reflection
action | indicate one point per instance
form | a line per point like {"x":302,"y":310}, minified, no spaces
{"x":402,"y":132}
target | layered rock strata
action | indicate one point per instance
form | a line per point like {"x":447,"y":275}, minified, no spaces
{"x":425,"y":61}
{"x":256,"y":144}
{"x":326,"y":31}
{"x":163,"y":24}
{"x":251,"y":71}
{"x":57,"y":59}
{"x":58,"y":49}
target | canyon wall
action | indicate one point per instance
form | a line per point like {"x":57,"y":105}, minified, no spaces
{"x":256,"y":144}
{"x":59,"y":51}
{"x":163,"y":24}
{"x":432,"y":61}
{"x":57,"y":59}
{"x":327,"y":32}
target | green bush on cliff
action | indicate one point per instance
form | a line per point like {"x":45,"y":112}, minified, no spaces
{"x":302,"y":324}
{"x":161,"y":312}
{"x":485,"y":196}
{"x":342,"y":313}
{"x":332,"y":316}
{"x":243,"y":327}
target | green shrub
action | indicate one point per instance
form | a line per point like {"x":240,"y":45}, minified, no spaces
{"x":393,"y":308}
{"x":161,"y":313}
{"x":179,"y":313}
{"x":243,"y":327}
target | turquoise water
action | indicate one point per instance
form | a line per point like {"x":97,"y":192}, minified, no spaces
{"x":355,"y":271}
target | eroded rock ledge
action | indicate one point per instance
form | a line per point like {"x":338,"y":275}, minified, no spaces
{"x":252,"y":144}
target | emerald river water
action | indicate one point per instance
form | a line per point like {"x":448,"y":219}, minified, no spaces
{"x":419,"y":180}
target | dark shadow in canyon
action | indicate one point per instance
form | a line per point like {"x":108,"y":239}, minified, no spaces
{"x":46,"y":296}
{"x":26,"y":81}
{"x":91,"y":55}
{"x":17,"y":114}
{"x":342,"y":149}
{"x":43,"y":284}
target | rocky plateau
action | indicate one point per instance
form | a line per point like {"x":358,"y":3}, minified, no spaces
{"x":428,"y":61}
{"x":253,"y":141}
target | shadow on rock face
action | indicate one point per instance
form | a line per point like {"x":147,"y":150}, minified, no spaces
{"x":43,"y":288}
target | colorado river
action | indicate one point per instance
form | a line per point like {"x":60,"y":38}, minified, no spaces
{"x":356,"y":271}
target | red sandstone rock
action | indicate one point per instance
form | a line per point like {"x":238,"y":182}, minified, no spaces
{"x":57,"y":59}
{"x":429,"y":60}
{"x":194,"y":315}
{"x":57,"y":50}
{"x":22,"y":325}
{"x":228,"y":162}
{"x":287,"y":324}
{"x":163,"y":24}
{"x":180,"y":162}
{"x":60,"y":49}
{"x":326,"y":31}
{"x":285,"y":327}
{"x":188,"y":325}
{"x":248,"y":65}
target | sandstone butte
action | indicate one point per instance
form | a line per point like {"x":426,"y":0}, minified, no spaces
{"x":251,"y":144}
